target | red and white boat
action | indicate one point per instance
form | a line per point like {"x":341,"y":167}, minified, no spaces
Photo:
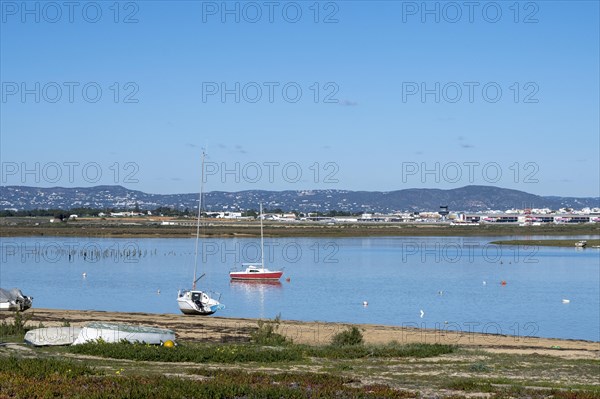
{"x":257,"y":271}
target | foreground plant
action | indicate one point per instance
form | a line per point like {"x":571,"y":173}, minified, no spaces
{"x":17,"y":327}
{"x":267,"y":333}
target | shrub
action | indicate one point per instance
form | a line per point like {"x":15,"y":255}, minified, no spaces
{"x":352,"y":336}
{"x":267,"y":333}
{"x":17,"y":328}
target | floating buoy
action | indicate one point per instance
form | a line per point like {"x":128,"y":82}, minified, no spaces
{"x":566,"y":301}
{"x":503,"y":282}
{"x":365,"y":303}
{"x":288,"y":279}
{"x":484,"y":282}
{"x":422,"y":313}
{"x":440,"y":292}
{"x":84,"y":274}
{"x":158,"y":291}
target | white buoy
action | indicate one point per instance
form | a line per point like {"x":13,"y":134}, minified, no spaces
{"x":440,"y":292}
{"x":84,"y":274}
{"x":484,"y":283}
{"x":158,"y":291}
{"x":422,"y":313}
{"x":566,"y":301}
{"x":365,"y":303}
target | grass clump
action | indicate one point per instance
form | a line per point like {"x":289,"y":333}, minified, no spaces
{"x":350,"y":337}
{"x":267,"y":333}
{"x":479,"y":367}
{"x":17,"y":327}
{"x":391,"y":350}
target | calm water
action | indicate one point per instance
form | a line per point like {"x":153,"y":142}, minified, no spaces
{"x":456,"y":282}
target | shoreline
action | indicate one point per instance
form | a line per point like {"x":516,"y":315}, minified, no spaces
{"x":591,"y":243}
{"x":224,"y":329}
{"x":29,"y":228}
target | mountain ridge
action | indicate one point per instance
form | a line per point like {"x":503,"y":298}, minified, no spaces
{"x":468,"y":198}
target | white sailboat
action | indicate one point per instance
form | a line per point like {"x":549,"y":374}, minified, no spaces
{"x":197,"y":302}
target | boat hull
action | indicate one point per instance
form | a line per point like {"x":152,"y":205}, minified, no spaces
{"x":110,"y":332}
{"x":14,"y":300}
{"x":206,"y":307}
{"x":192,"y":309}
{"x":52,"y":336}
{"x":260,"y":276}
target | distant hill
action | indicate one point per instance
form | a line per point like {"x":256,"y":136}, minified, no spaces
{"x":469,"y":198}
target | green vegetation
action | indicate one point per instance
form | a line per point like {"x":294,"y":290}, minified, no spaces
{"x":346,"y":371}
{"x":267,"y":346}
{"x":546,"y":243}
{"x":40,"y":368}
{"x":195,"y":353}
{"x":47,"y":378}
{"x":352,"y":336}
{"x":503,"y":388}
{"x":15,"y":330}
{"x":242,"y":353}
{"x":267,"y":333}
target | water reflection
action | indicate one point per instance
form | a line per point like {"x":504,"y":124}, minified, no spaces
{"x":255,"y":292}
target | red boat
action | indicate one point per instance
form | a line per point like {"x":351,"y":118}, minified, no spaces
{"x":257,"y":271}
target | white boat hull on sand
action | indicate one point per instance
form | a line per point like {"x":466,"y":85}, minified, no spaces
{"x":52,"y":336}
{"x":111,"y":332}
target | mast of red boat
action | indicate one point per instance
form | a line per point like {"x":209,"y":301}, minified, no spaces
{"x":262,"y":251}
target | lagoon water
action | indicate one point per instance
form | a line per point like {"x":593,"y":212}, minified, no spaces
{"x":455,"y":281}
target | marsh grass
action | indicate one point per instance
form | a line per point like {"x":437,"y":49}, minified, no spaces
{"x":267,"y":333}
{"x":16,"y":329}
{"x":196,"y":353}
{"x":391,"y":350}
{"x":506,"y":388}
{"x":241,"y":353}
{"x":47,"y":378}
{"x":41,"y":368}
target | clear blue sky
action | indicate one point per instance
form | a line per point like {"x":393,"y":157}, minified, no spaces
{"x":375,"y":61}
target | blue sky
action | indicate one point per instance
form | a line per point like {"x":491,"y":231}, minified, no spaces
{"x":367,"y":128}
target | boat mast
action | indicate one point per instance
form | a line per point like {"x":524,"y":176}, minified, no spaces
{"x":198,"y":223}
{"x":262,"y":250}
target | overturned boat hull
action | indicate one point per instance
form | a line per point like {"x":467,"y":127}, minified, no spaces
{"x":113,"y":332}
{"x":52,"y":336}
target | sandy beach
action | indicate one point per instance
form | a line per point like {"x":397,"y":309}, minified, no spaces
{"x":220,"y":329}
